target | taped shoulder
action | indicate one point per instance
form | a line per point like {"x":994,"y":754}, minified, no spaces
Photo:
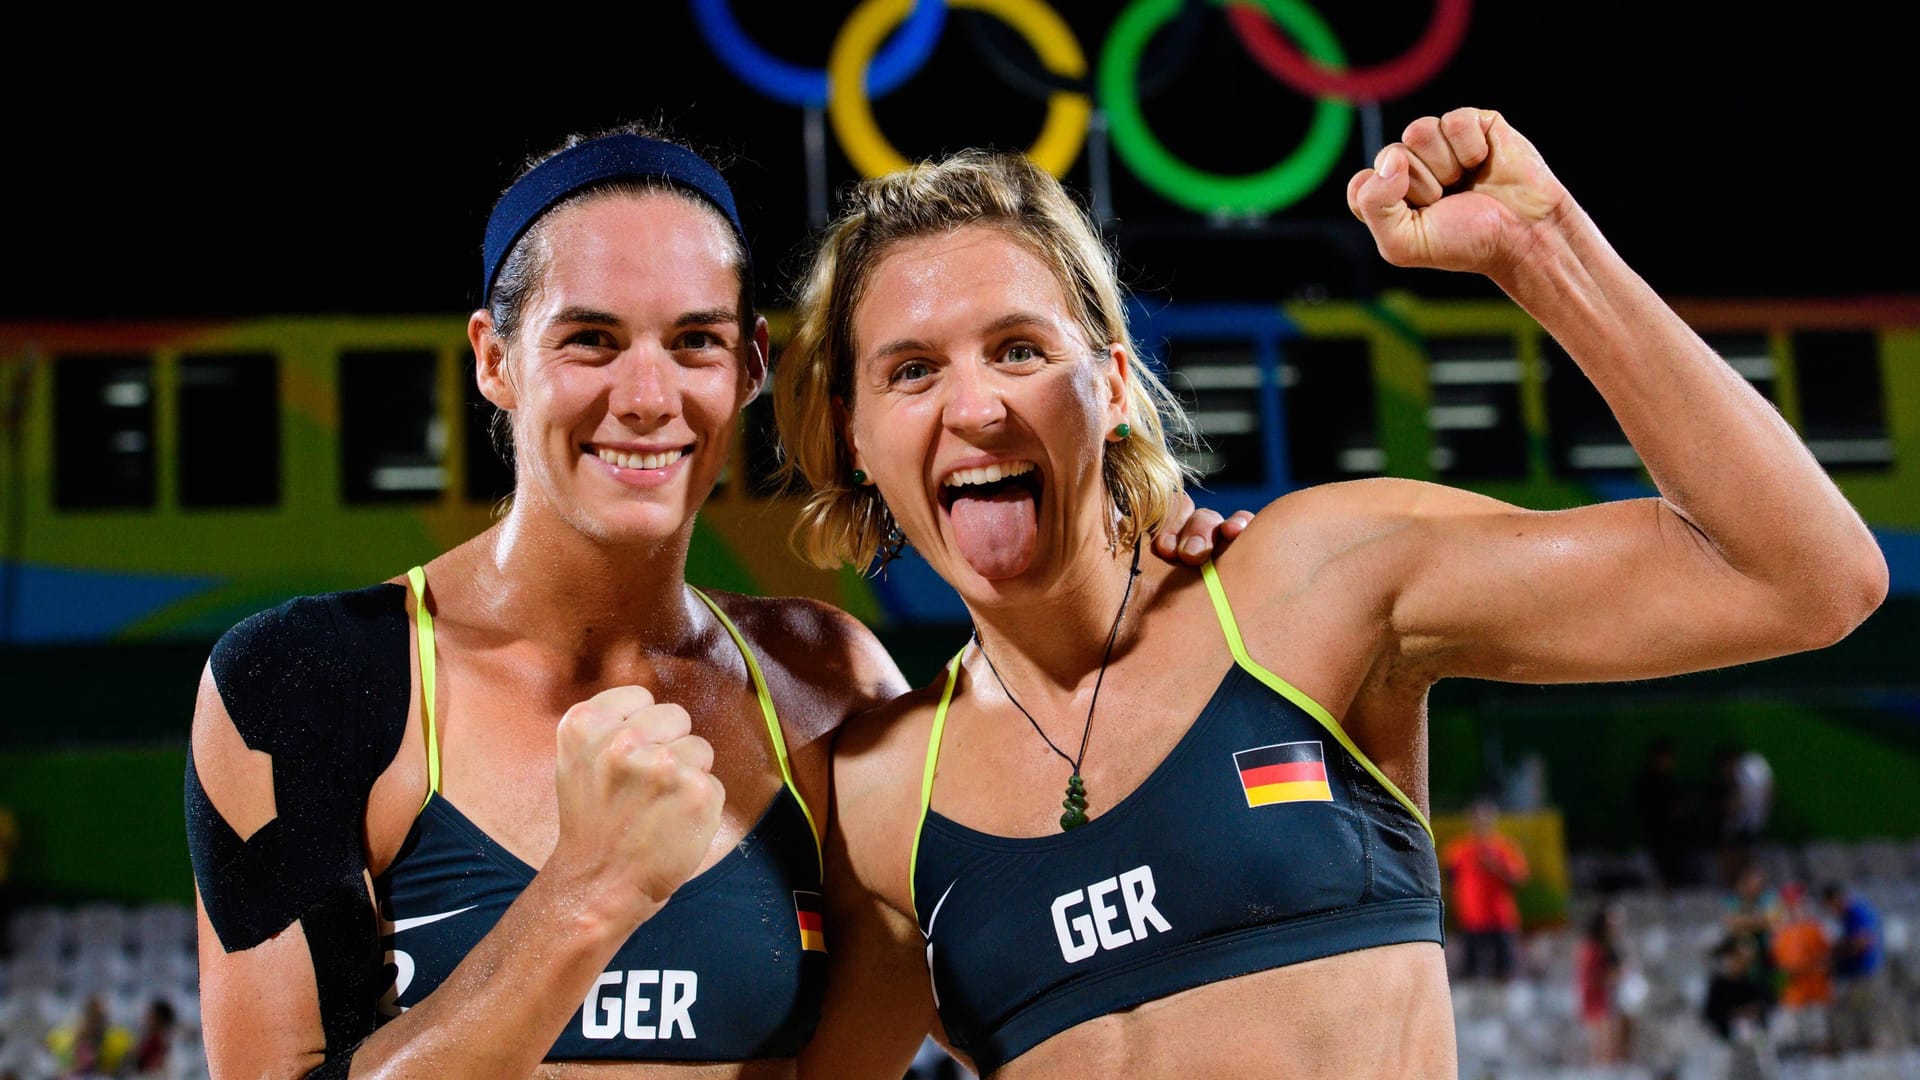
{"x":320,"y":684}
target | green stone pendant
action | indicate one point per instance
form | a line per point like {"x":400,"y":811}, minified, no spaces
{"x":1076,"y":804}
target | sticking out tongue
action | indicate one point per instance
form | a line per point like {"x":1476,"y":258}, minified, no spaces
{"x":995,"y":529}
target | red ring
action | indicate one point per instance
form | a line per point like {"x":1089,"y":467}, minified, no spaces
{"x":1381,"y":82}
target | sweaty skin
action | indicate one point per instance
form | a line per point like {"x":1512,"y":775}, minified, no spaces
{"x":594,"y":719}
{"x":1362,"y":595}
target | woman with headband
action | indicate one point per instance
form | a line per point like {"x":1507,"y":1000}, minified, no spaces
{"x":551,"y":694}
{"x":1161,"y":822}
{"x":442,"y":735}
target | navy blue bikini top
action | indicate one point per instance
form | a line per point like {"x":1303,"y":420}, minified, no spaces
{"x":733,"y":968}
{"x":1265,"y":838}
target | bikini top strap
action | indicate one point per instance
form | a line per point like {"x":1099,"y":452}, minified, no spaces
{"x":423,"y":632}
{"x":933,"y":762}
{"x":1287,"y":690}
{"x":772,"y":718}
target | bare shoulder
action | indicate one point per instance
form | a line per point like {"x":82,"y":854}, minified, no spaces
{"x":821,"y":656}
{"x":878,"y":759}
{"x":1307,"y":529}
{"x":888,"y":742}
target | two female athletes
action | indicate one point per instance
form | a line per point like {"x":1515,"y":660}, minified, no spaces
{"x":1253,"y":892}
{"x":542,"y":801}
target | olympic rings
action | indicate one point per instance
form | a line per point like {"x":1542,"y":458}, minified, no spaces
{"x":807,"y":87}
{"x":860,"y":69}
{"x":1273,"y":189}
{"x":1165,"y":60}
{"x":1068,"y":112}
{"x":1381,"y":82}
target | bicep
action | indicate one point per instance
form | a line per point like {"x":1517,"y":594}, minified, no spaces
{"x":286,"y":925}
{"x":1620,"y":590}
{"x":259,"y":1007}
{"x":260,"y":1004}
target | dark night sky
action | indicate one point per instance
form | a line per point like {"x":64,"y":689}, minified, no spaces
{"x":345,"y":166}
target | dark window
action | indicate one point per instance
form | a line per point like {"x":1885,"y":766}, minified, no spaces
{"x":1478,"y":432}
{"x":489,"y":473}
{"x":392,"y":442}
{"x":1219,"y":383}
{"x":1843,"y":406}
{"x":229,"y":430}
{"x":1583,"y":438}
{"x":1333,"y":430}
{"x":102,"y":432}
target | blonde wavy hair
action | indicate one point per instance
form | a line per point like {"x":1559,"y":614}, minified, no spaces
{"x":843,"y":523}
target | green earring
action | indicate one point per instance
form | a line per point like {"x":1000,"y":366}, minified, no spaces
{"x":859,"y":477}
{"x":1122,"y":430}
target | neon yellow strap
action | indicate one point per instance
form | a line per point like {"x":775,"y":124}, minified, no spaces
{"x":1287,"y":690}
{"x":933,"y":761}
{"x":772,"y":718}
{"x":423,"y":622}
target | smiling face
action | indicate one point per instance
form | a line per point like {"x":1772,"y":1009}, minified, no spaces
{"x":981,"y":411}
{"x":629,"y":367}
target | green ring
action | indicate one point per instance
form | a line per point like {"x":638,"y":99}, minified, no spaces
{"x":1262,"y":192}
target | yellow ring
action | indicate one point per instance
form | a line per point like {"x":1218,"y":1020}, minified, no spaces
{"x":1068,"y":112}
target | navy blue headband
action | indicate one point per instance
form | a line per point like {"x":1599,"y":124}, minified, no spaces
{"x":613,"y":157}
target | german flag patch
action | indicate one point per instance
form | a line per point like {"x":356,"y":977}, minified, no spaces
{"x":813,"y":928}
{"x":1283,"y":773}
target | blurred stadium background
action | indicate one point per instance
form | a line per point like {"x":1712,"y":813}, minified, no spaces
{"x":233,"y":368}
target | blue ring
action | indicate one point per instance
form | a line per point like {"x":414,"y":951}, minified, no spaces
{"x":898,"y":60}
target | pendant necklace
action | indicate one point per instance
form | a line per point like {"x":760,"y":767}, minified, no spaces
{"x":1076,"y":800}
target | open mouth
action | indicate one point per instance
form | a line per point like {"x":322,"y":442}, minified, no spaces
{"x":989,"y":481}
{"x":621,"y":459}
{"x":995,"y":514}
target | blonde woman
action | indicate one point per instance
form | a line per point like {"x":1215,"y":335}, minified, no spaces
{"x":1156,"y":821}
{"x":542,"y":806}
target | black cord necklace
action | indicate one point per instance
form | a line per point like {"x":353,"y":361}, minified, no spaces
{"x":1076,"y":800}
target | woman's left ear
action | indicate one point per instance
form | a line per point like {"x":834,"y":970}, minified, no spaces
{"x":757,"y":353}
{"x":1118,"y":375}
{"x":843,"y":426}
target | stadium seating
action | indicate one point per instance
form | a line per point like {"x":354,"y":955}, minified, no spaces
{"x":1526,"y":1029}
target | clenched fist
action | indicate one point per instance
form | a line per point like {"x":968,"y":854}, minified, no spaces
{"x":639,"y":803}
{"x":1464,"y":191}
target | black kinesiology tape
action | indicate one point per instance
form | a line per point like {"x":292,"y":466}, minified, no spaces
{"x":321,"y":685}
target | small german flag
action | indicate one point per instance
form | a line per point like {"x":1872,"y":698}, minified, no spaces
{"x":813,"y":929}
{"x":1284,"y":772}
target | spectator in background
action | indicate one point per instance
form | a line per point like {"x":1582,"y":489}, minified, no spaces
{"x":9,"y":843}
{"x":89,"y":1046}
{"x":1483,"y":868}
{"x":1752,"y":911}
{"x":1661,"y":803}
{"x":1742,"y":794}
{"x":153,"y":1053}
{"x":1800,"y":952}
{"x":1599,"y":967}
{"x":1860,"y":995}
{"x":1737,"y":1008}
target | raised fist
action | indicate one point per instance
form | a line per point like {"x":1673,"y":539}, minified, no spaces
{"x":1464,"y":191}
{"x":639,"y":804}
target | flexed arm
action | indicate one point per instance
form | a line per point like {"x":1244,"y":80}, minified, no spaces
{"x":638,"y":809}
{"x":1749,"y":552}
